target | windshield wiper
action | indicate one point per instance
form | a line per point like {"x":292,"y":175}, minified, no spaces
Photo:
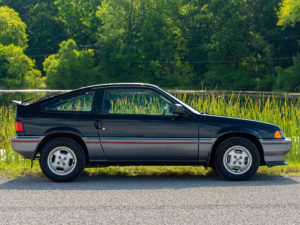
{"x":203,"y":112}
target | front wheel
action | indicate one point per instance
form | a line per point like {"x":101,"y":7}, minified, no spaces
{"x":237,"y":159}
{"x":62,"y":159}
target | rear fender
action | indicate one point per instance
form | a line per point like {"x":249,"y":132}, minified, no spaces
{"x":56,"y":131}
{"x":62,"y":130}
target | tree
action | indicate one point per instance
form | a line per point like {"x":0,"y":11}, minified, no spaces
{"x":141,"y":40}
{"x":16,"y":69}
{"x":282,"y":41}
{"x":21,"y":6}
{"x":234,"y":44}
{"x":12,"y":28}
{"x":44,"y":28}
{"x":45,"y":31}
{"x":70,"y":67}
{"x":289,"y":12}
{"x":237,"y":52}
{"x":289,"y":78}
{"x":195,"y":26}
{"x":79,"y":17}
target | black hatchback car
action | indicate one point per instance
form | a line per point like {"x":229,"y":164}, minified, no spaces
{"x":139,"y":124}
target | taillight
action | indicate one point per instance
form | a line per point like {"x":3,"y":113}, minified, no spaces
{"x":19,"y":126}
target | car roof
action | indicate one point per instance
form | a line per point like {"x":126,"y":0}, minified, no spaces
{"x":97,"y":86}
{"x":113,"y":85}
{"x":121,"y":85}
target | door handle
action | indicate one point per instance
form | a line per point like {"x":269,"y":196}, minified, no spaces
{"x":98,"y":124}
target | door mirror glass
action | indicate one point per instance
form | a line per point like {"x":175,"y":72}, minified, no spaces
{"x":178,"y":109}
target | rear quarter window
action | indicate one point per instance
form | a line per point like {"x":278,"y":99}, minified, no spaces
{"x":79,"y":103}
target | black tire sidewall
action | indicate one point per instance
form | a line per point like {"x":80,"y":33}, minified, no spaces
{"x":224,"y":146}
{"x":76,"y":148}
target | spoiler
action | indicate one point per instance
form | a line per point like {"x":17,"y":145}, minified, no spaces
{"x":19,"y":103}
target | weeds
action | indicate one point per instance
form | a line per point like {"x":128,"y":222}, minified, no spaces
{"x":280,"y":111}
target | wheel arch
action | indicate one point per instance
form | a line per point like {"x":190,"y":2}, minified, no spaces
{"x":245,"y":135}
{"x":52,"y":136}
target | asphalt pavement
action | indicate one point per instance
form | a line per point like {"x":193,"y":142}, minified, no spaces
{"x":150,"y":200}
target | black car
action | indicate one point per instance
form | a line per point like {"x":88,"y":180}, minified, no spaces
{"x":139,"y":124}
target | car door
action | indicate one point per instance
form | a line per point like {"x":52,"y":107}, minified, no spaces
{"x":137,"y":124}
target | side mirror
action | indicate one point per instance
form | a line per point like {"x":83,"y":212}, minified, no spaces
{"x":178,"y":109}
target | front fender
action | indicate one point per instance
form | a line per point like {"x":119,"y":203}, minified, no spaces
{"x":238,"y":129}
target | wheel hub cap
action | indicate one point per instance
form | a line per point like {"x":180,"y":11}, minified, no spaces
{"x":237,"y":160}
{"x":62,"y":160}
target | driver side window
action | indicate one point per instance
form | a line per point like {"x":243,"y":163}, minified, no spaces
{"x":136,"y":101}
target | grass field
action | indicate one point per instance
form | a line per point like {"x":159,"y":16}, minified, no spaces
{"x":280,"y":111}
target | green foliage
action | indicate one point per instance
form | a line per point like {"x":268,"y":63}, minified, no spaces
{"x":12,"y":28}
{"x":79,"y":17}
{"x":281,"y":111}
{"x":289,"y":12}
{"x":289,"y":79}
{"x":17,"y":70}
{"x":191,"y":44}
{"x":141,"y":41}
{"x":70,"y":67}
{"x":45,"y":31}
{"x":236,"y":47}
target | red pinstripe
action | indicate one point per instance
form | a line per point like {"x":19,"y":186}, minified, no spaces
{"x":145,"y":142}
{"x":279,"y":143}
{"x":27,"y":141}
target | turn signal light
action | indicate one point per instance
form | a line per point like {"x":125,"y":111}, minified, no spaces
{"x":19,"y":126}
{"x":277,"y":134}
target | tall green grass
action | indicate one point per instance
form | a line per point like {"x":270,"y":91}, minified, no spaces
{"x":280,"y":111}
{"x":283,"y":112}
{"x":7,"y":130}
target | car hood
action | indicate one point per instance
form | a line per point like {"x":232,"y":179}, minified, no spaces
{"x":219,"y":125}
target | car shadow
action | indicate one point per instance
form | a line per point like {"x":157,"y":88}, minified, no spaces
{"x":139,"y":183}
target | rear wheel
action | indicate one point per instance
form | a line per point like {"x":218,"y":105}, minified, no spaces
{"x":62,"y":159}
{"x":237,"y":159}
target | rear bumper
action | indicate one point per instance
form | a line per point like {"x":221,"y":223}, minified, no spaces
{"x":26,"y":146}
{"x":275,"y":150}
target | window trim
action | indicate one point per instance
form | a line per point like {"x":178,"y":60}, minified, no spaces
{"x":140,"y":88}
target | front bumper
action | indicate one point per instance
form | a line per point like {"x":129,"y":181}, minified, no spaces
{"x":26,"y":146}
{"x":275,"y":150}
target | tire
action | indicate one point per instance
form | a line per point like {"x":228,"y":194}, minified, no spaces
{"x":62,"y":159}
{"x":237,"y":159}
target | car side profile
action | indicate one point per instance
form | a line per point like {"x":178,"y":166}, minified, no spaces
{"x":139,"y":124}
